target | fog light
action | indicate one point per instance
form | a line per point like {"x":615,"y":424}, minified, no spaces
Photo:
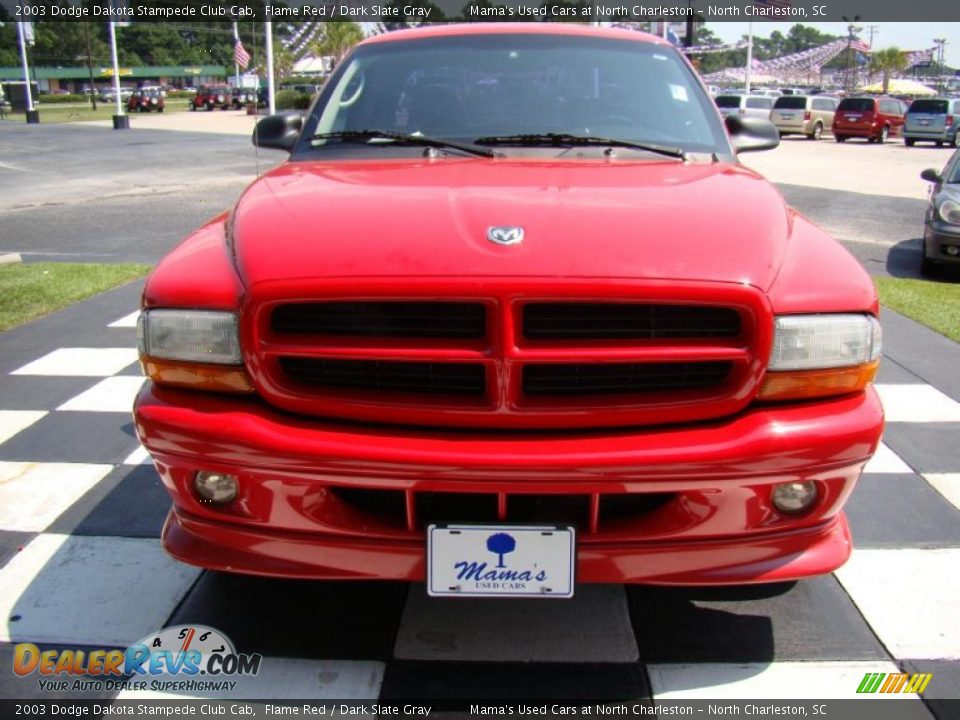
{"x":952,"y":250}
{"x":794,"y":497}
{"x":216,"y":488}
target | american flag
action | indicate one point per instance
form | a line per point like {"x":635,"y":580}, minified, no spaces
{"x":240,"y":56}
{"x":859,"y":45}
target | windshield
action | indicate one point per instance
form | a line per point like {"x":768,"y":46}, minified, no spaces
{"x":790,"y":102}
{"x":474,"y":86}
{"x":728,"y":101}
{"x":856,"y":104}
{"x":936,"y":107}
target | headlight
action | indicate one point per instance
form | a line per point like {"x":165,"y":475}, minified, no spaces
{"x":950,"y":212}
{"x":821,"y":355}
{"x":200,"y":336}
{"x":809,"y":342}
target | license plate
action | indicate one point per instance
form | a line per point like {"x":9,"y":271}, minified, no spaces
{"x":853,"y":118}
{"x":787,"y":116}
{"x":923,"y":122}
{"x":500,"y":561}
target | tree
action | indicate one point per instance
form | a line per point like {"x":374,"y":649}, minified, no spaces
{"x":337,"y":40}
{"x":888,"y":62}
{"x":501,"y":544}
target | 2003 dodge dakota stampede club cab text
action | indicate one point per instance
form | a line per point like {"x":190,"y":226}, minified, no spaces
{"x":511,"y":318}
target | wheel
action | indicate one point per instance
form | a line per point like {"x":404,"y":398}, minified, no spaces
{"x":192,"y":107}
{"x":840,"y":138}
{"x":817,"y":132}
{"x":884,"y":134}
{"x":927,"y":266}
{"x":209,"y":107}
{"x":938,"y":143}
{"x":956,"y":140}
{"x":909,"y":142}
{"x":159,"y":109}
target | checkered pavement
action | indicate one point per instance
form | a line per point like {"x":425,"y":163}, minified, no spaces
{"x":81,"y":564}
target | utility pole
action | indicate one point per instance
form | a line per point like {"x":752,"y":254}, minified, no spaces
{"x":33,"y":116}
{"x":849,"y":74}
{"x":940,"y":43}
{"x":873,"y":30}
{"x":271,"y":88}
{"x":93,"y":88}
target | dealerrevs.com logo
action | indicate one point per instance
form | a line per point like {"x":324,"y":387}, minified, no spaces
{"x":183,"y":658}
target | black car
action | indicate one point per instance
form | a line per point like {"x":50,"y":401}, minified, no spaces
{"x":941,"y":233}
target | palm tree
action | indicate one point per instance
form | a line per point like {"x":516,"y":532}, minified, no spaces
{"x":337,"y":40}
{"x":888,"y":62}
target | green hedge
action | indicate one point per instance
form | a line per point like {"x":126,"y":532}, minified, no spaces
{"x":54,"y":99}
{"x":180,"y":94}
{"x":292,"y":100}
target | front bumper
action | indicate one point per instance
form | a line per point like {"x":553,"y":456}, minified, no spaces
{"x":714,"y":525}
{"x":937,"y":236}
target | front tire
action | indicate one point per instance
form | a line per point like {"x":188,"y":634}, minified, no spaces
{"x":840,"y":138}
{"x":909,"y":142}
{"x":817,"y":132}
{"x":884,"y":135}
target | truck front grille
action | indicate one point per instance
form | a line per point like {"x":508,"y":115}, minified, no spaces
{"x":390,"y":377}
{"x":601,"y":321}
{"x":481,"y":355}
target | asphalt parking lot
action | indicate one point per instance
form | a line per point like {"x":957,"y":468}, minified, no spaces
{"x":81,"y":507}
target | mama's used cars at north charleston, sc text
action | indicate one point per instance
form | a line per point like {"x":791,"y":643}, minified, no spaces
{"x":511,"y":318}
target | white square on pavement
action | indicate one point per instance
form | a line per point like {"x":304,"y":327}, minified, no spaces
{"x":13,"y":421}
{"x":81,"y":362}
{"x":90,"y":590}
{"x":909,"y":598}
{"x":127,"y":321}
{"x":140,"y":456}
{"x":764,"y":681}
{"x":948,"y":485}
{"x":917,"y":403}
{"x":286,"y":678}
{"x":113,"y":394}
{"x":33,"y":495}
{"x":886,"y":460}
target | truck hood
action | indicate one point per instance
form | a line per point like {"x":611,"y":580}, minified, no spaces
{"x":582,"y":218}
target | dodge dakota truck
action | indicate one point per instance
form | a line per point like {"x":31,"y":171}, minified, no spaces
{"x":511,"y":318}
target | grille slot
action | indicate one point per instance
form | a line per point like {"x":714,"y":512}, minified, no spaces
{"x":467,"y":379}
{"x":626,"y":321}
{"x":440,"y":507}
{"x":462,"y":321}
{"x":622,"y":378}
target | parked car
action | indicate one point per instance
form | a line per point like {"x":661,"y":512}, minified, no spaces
{"x":758,"y":106}
{"x":146,"y":100}
{"x":107,"y":94}
{"x":935,"y":120}
{"x":471,"y":334}
{"x":873,"y":118}
{"x":209,"y":97}
{"x":241,"y":97}
{"x":941,"y":232}
{"x":803,"y":115}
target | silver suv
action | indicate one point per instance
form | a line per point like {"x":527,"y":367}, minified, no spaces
{"x":803,"y":115}
{"x":932,"y":119}
{"x":745,"y":105}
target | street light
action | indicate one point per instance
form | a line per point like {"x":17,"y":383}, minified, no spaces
{"x":850,"y":80}
{"x":940,"y":43}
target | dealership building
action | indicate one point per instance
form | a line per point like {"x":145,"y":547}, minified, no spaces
{"x":76,"y":79}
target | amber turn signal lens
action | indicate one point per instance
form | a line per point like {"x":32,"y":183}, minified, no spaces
{"x":198,"y":376}
{"x":804,"y":384}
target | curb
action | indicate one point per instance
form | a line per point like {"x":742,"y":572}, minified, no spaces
{"x":10,"y":258}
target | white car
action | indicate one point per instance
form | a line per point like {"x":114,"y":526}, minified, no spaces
{"x":758,"y":106}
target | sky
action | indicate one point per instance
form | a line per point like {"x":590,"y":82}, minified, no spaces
{"x":904,"y":35}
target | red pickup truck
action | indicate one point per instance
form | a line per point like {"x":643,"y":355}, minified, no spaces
{"x":511,"y":318}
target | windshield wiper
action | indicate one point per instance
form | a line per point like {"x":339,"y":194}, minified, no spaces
{"x":406,"y":138}
{"x":568,"y":139}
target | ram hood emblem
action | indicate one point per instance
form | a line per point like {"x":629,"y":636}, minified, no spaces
{"x":505,"y":234}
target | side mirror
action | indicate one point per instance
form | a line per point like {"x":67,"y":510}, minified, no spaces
{"x":930,"y":175}
{"x":279,"y":131}
{"x":750,"y":134}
